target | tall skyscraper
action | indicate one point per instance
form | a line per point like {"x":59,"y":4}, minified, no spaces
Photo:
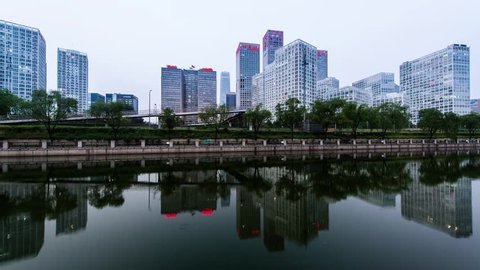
{"x":272,"y":40}
{"x":171,"y":91}
{"x":224,"y":86}
{"x":188,"y":90}
{"x":248,"y":64}
{"x":207,"y":89}
{"x":322,"y":64}
{"x":72,"y":76}
{"x":379,"y":84}
{"x":291,"y":75}
{"x":439,"y":80}
{"x":23,"y":66}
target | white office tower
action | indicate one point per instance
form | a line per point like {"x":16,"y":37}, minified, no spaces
{"x":440,"y":80}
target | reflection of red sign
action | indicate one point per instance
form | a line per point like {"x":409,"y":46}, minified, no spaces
{"x":171,"y":66}
{"x":255,"y":232}
{"x":207,"y":69}
{"x":320,"y":226}
{"x":207,"y":212}
{"x":171,"y":215}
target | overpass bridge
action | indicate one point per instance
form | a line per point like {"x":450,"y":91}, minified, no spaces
{"x":139,"y":114}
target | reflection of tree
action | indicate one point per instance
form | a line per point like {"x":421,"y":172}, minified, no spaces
{"x":339,"y":180}
{"x":434,"y":171}
{"x":169,"y":183}
{"x":253,"y":183}
{"x":293,"y":189}
{"x":101,"y":196}
{"x":59,"y":201}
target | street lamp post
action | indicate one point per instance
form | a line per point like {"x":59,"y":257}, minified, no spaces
{"x":149,"y":94}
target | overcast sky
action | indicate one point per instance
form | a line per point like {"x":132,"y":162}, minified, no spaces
{"x":128,"y":41}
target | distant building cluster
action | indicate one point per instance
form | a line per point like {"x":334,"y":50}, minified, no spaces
{"x":299,"y":70}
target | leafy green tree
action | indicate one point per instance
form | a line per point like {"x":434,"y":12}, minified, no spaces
{"x":372,"y":118}
{"x":354,"y":116}
{"x":431,"y":120}
{"x":471,"y":122}
{"x":169,"y":120}
{"x":290,"y":114}
{"x":451,"y":123}
{"x":215,"y":117}
{"x":113,"y":112}
{"x":326,"y":113}
{"x":50,"y":108}
{"x":97,"y":110}
{"x":257,"y":118}
{"x":9,"y":103}
{"x":392,"y":116}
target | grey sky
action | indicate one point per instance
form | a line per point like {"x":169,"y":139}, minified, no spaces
{"x":127,"y":42}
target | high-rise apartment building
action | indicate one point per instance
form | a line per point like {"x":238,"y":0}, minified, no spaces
{"x":272,"y":40}
{"x":291,"y":75}
{"x":72,"y":76}
{"x":440,"y":80}
{"x":188,"y":90}
{"x":224,"y":86}
{"x":248,"y":64}
{"x":23,"y":66}
{"x":322,"y":65}
{"x":379,"y":84}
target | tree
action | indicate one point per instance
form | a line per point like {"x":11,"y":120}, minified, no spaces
{"x":290,"y":114}
{"x":354,"y":116}
{"x":215,"y":117}
{"x":169,"y":120}
{"x":326,"y":113}
{"x":8,"y":103}
{"x":257,"y":117}
{"x":471,"y":122}
{"x":451,"y":123}
{"x":392,"y":116}
{"x":50,"y":108}
{"x":114,"y":116}
{"x":431,"y":120}
{"x":97,"y":110}
{"x":372,"y":118}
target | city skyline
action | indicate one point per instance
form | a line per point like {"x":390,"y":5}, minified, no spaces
{"x":113,"y":65}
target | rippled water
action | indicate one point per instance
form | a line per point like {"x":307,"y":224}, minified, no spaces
{"x":284,"y":212}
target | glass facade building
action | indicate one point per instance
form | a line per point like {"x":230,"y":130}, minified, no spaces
{"x":380,"y":85}
{"x":272,"y":40}
{"x":322,"y":65}
{"x":440,"y":80}
{"x":171,"y":89}
{"x":72,"y":76}
{"x":231,"y":101}
{"x":248,"y":65}
{"x":23,"y":66}
{"x":188,"y":90}
{"x":94,"y":97}
{"x":326,"y":85}
{"x":130,"y":101}
{"x":224,"y":86}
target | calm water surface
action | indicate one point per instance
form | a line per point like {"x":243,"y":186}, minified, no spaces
{"x":285,"y":212}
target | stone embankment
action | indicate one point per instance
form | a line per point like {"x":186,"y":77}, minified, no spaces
{"x":45,"y":148}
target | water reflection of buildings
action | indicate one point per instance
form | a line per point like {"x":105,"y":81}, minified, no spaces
{"x":446,"y":206}
{"x":76,"y":219}
{"x":295,"y":220}
{"x":21,"y":231}
{"x":188,"y":199}
{"x":379,"y":198}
